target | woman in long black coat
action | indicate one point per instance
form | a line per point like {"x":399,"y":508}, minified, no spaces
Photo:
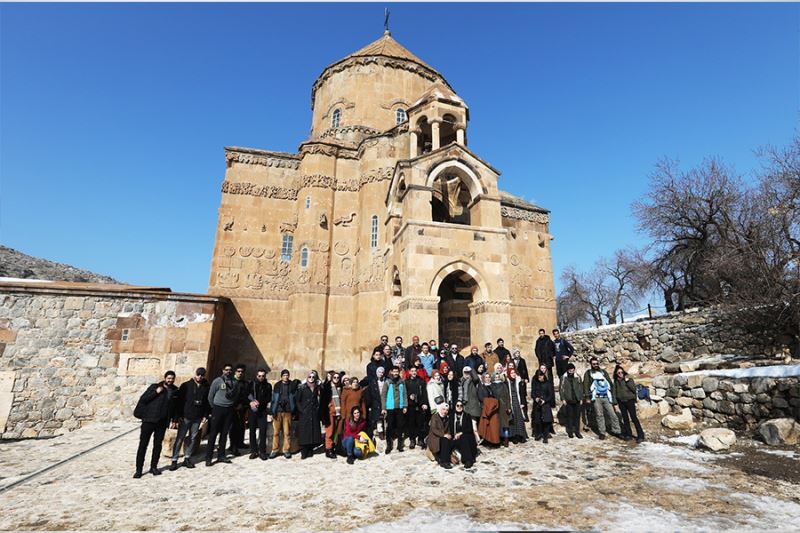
{"x":309,"y":434}
{"x":542,"y":418}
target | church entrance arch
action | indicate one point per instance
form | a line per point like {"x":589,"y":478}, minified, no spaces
{"x":456,"y":293}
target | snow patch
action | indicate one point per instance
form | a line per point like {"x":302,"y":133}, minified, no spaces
{"x":24,"y":280}
{"x":775,"y":371}
{"x":681,"y":484}
{"x":690,"y":440}
{"x":672,"y":458}
{"x":440,"y":523}
{"x":783,"y":453}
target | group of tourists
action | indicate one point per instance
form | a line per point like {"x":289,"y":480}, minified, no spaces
{"x":437,"y":398}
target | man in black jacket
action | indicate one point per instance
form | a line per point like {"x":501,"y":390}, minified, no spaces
{"x":417,"y":408}
{"x":563,"y":352}
{"x":239,"y":411}
{"x":545,"y":352}
{"x":192,"y":411}
{"x":156,"y":409}
{"x":260,"y":395}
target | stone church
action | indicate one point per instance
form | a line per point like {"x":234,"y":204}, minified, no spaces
{"x":383,"y":221}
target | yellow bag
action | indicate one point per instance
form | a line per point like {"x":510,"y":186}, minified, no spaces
{"x":366,"y":447}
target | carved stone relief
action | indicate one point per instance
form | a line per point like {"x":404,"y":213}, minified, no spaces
{"x":345,"y":221}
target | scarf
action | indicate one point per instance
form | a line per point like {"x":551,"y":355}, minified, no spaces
{"x":337,"y":404}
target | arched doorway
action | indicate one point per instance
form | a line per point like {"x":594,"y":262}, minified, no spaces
{"x":456,"y":293}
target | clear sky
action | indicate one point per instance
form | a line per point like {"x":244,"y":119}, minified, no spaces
{"x":113,"y":117}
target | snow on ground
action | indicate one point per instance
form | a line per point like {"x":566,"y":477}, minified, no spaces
{"x":775,"y":371}
{"x":681,"y":484}
{"x":690,"y":440}
{"x":670,"y":457}
{"x":784,"y":453}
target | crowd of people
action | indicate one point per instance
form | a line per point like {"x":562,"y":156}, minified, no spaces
{"x":438,"y":399}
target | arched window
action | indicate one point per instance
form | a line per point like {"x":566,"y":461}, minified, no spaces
{"x":308,"y":202}
{"x":373,"y":236}
{"x":336,"y":118}
{"x":286,"y":248}
{"x":304,"y":257}
{"x":400,"y":116}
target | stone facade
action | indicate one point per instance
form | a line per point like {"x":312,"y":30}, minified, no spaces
{"x":72,"y":353}
{"x":676,"y":337}
{"x":382,"y":222}
{"x":738,"y":403}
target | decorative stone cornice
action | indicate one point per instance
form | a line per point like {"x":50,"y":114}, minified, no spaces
{"x":330,"y":150}
{"x":250,"y":156}
{"x":356,"y":128}
{"x":385,"y":62}
{"x":428,"y":303}
{"x":315,"y":180}
{"x":491,"y":306}
{"x":524,"y":214}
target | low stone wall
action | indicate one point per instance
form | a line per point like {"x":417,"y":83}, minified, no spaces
{"x":72,"y":354}
{"x":676,"y":337}
{"x":739,"y":403}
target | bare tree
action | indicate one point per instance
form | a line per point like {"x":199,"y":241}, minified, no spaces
{"x":688,"y":215}
{"x":610,"y":286}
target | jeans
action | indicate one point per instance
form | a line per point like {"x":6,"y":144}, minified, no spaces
{"x":628,"y":408}
{"x":604,"y":410}
{"x":258,"y":421}
{"x":156,"y":430}
{"x":221,"y":421}
{"x":349,"y":444}
{"x":190,"y":428}
{"x":282,"y":422}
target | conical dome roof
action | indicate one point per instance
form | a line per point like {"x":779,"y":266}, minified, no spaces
{"x":387,"y":46}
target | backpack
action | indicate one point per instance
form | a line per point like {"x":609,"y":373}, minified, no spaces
{"x":140,"y":409}
{"x":643,"y":393}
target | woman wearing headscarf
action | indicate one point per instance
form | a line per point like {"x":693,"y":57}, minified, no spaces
{"x":438,"y":436}
{"x":542,"y":415}
{"x":489,"y":423}
{"x":436,"y":392}
{"x":516,"y":428}
{"x":504,"y":409}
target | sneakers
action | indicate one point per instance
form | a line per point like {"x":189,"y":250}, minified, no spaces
{"x":174,"y":466}
{"x":273,"y":455}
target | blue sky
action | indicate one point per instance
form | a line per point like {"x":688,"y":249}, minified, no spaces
{"x":113,"y":117}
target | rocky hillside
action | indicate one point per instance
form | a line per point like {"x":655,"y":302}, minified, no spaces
{"x":14,"y":264}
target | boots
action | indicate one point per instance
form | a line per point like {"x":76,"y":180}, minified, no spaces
{"x":401,"y":445}
{"x":413,"y":443}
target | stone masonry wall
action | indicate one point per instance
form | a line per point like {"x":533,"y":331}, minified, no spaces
{"x":734,"y":402}
{"x":68,"y":358}
{"x":675,"y":337}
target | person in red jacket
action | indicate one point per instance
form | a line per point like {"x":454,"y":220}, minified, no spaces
{"x":354,"y":425}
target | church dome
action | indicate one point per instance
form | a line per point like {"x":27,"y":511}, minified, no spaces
{"x":370,"y":90}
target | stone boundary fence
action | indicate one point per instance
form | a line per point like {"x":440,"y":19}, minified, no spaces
{"x":74,"y":353}
{"x":737,"y":403}
{"x":678,"y":336}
